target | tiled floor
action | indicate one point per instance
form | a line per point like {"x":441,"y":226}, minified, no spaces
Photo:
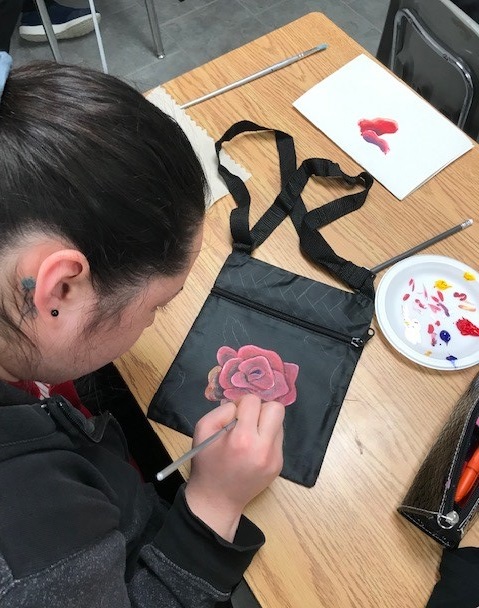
{"x":195,"y":31}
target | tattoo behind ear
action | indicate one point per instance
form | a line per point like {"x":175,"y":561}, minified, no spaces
{"x":28,"y":287}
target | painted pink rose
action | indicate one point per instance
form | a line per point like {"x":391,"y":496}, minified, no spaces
{"x":255,"y":370}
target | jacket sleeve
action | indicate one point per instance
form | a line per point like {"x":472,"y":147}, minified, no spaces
{"x":79,"y":528}
{"x":459,"y":582}
{"x":187,"y":564}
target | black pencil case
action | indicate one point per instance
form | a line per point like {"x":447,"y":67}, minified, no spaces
{"x":430,"y":502}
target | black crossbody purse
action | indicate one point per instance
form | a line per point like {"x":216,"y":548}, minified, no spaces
{"x":268,"y":331}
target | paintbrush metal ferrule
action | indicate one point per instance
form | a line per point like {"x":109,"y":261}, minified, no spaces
{"x":315,"y":49}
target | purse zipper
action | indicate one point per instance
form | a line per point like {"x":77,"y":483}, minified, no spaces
{"x":355,"y":341}
{"x":474,"y":495}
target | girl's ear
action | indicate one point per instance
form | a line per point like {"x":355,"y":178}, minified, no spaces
{"x":62,"y":278}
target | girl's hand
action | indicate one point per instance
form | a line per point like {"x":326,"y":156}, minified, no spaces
{"x":227,"y":474}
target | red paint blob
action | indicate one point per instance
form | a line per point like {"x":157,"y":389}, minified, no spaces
{"x":380,"y":126}
{"x":467,"y":328}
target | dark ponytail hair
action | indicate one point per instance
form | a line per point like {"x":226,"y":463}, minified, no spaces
{"x":85,"y":157}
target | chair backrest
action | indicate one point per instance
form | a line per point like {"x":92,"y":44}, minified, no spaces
{"x":434,"y":47}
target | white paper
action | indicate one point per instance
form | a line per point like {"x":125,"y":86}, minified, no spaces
{"x":425,"y":141}
{"x":202,"y":143}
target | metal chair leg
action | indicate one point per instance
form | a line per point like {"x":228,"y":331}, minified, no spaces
{"x":99,"y":40}
{"x":47,"y":24}
{"x":155,"y":28}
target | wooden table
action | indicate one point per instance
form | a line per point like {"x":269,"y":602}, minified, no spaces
{"x":340,"y":544}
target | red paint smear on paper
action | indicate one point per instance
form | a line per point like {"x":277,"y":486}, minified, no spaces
{"x":372,"y":138}
{"x":372,"y":129}
{"x":379,"y":125}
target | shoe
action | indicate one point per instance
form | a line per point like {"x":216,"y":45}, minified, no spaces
{"x":67,"y":22}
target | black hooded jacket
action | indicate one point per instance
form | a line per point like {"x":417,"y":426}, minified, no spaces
{"x":79,"y":528}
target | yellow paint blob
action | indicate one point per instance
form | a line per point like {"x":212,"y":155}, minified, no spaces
{"x":428,"y":353}
{"x":441,"y":284}
{"x":469,"y":276}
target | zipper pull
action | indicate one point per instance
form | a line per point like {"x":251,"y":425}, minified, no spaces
{"x":360,"y":342}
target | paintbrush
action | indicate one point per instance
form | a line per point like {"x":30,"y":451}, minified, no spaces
{"x":269,"y":70}
{"x":421,"y":246}
{"x":171,"y":468}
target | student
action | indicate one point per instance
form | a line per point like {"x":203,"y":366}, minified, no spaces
{"x":67,"y":21}
{"x":101,"y":208}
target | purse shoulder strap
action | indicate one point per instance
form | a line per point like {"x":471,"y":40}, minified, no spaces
{"x":289,"y":202}
{"x":307,"y":223}
{"x":245,"y":239}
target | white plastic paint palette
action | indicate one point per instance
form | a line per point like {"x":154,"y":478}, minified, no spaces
{"x":424,"y":305}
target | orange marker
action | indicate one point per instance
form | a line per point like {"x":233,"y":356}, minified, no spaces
{"x":468,"y":477}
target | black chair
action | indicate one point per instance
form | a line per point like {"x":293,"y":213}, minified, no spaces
{"x":434,"y":47}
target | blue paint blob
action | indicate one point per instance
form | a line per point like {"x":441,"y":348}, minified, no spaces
{"x":445,"y":337}
{"x":452,"y":359}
